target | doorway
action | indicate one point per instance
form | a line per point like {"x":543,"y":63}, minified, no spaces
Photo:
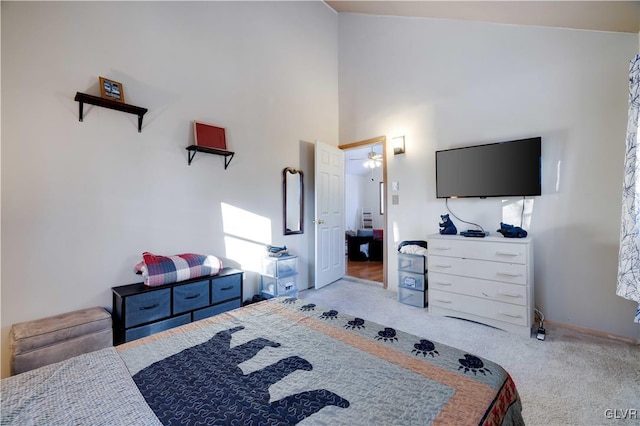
{"x":365,"y":210}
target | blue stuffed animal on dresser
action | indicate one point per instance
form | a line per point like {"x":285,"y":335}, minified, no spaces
{"x":447,"y":227}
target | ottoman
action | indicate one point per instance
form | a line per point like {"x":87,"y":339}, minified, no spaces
{"x":44,"y":341}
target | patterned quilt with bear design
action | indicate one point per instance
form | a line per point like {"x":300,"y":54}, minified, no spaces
{"x":287,"y":361}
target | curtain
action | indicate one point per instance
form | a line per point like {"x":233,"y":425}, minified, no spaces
{"x":629,"y":257}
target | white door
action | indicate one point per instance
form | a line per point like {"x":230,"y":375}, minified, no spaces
{"x":329,"y":214}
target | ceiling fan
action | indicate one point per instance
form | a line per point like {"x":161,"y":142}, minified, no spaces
{"x":372,"y":161}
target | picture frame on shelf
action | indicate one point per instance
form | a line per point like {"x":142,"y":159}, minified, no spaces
{"x":209,"y":136}
{"x":111,"y":90}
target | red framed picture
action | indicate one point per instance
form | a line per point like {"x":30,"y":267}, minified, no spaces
{"x":209,"y":136}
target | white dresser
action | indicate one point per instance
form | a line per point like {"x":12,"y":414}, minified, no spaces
{"x":487,"y":280}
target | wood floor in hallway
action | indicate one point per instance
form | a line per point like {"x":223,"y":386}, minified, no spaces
{"x":366,"y":270}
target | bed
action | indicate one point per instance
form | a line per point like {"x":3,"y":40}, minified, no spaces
{"x":280,"y":361}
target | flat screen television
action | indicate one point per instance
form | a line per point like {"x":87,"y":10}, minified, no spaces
{"x":503,"y":169}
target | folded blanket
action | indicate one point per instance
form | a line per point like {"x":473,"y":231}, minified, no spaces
{"x":413,"y":249}
{"x":159,"y":270}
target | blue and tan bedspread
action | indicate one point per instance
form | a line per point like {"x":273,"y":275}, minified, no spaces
{"x":286,"y":361}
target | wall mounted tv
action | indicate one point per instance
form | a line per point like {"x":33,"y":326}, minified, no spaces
{"x":504,"y":169}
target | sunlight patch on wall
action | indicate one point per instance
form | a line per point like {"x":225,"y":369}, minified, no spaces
{"x":517,"y":213}
{"x":246,"y":236}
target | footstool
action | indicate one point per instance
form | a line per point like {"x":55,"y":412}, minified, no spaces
{"x":44,"y":341}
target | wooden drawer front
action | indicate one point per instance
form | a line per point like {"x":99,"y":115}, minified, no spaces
{"x":216,"y":309}
{"x":496,"y":251}
{"x":225,"y":288}
{"x":503,"y":292}
{"x":507,"y":312}
{"x":148,"y":330}
{"x":496,"y":271}
{"x":411,"y":263}
{"x":411,"y":280}
{"x":190,"y":296}
{"x":146,"y":307}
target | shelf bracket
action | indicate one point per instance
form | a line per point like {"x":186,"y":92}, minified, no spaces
{"x":227,"y":160}
{"x":191,"y":155}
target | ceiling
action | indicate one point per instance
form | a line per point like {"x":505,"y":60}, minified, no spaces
{"x":355,"y":157}
{"x":615,"y":16}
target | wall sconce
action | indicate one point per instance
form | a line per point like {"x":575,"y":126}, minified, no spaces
{"x":398,"y":145}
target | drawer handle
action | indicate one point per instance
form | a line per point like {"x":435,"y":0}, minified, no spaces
{"x":144,"y":308}
{"x":509,"y":274}
{"x":442,"y":283}
{"x":195,"y":296}
{"x":503,"y":293}
{"x":444,"y":301}
{"x":507,"y":253}
{"x":510,"y":315}
{"x":442,"y":266}
{"x":441,"y":248}
{"x":226,"y":288}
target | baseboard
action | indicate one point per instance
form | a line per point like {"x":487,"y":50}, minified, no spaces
{"x":598,"y":333}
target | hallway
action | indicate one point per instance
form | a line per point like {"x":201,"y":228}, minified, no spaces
{"x":372,"y":271}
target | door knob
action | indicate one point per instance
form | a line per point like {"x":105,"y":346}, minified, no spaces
{"x":319,"y":221}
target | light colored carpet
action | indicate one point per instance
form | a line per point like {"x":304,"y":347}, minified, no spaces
{"x":571,"y":378}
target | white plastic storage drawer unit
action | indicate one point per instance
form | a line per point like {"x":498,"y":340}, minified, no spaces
{"x":412,"y":279}
{"x":279,"y":276}
{"x":280,"y":266}
{"x":487,"y":280}
{"x":412,"y":297}
{"x":272,"y":287}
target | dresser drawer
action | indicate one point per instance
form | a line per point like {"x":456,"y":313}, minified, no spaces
{"x":275,"y":287}
{"x":415,"y":298}
{"x":279,"y":267}
{"x":503,"y":292}
{"x":412,"y":263}
{"x":190,"y":296}
{"x":481,"y":250}
{"x":216,"y":309}
{"x":147,"y":307}
{"x":156,"y":327}
{"x":497,"y":271}
{"x":412,"y":280}
{"x":225,"y":288}
{"x":506,"y":312}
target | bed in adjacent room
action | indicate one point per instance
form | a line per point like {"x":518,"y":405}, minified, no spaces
{"x":281,"y":361}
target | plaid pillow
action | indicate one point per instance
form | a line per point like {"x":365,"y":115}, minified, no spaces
{"x":159,"y":270}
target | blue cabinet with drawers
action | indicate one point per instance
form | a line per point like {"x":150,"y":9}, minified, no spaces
{"x":140,"y":311}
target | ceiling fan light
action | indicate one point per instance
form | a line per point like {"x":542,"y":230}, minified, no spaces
{"x":372,"y":163}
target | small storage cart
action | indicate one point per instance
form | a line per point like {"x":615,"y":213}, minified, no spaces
{"x":279,"y":276}
{"x":412,"y":279}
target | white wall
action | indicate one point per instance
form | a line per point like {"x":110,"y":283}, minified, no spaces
{"x":361,"y":191}
{"x":82,"y":201}
{"x":354,"y":195}
{"x":449,"y":83}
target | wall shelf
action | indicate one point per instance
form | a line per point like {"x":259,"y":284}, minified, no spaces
{"x":228,"y":155}
{"x":83,"y":98}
